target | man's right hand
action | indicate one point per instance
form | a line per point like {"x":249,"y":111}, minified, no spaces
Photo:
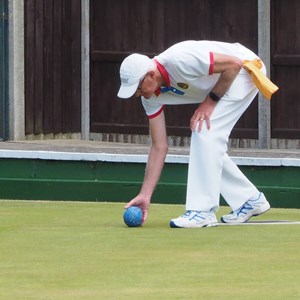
{"x":143,"y":203}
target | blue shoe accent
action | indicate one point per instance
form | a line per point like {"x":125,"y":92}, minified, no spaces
{"x":251,"y":208}
{"x":173,"y":225}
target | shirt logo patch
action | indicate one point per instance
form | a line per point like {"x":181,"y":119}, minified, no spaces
{"x":183,"y":85}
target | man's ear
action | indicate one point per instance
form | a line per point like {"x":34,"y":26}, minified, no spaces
{"x":151,"y":74}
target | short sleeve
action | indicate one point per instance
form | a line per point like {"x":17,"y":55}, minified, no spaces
{"x":152,"y":109}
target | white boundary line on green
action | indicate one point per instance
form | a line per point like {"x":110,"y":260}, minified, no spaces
{"x":255,"y":223}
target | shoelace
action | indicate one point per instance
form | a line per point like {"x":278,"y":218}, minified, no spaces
{"x":196,"y":215}
{"x":187,"y":214}
{"x":243,"y":210}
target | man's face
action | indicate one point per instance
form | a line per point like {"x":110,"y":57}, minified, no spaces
{"x":147,"y":87}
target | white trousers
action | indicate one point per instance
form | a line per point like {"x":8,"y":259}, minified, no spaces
{"x":211,"y":171}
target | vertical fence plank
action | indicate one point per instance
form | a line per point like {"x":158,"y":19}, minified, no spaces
{"x":38,"y":104}
{"x":76,"y":67}
{"x":48,"y":67}
{"x":53,"y":66}
{"x":57,"y":66}
{"x":29,"y":17}
{"x":285,"y":59}
{"x":264,"y":112}
{"x":3,"y":70}
{"x":85,"y":71}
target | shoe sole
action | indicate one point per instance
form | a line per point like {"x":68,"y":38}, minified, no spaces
{"x":268,"y":207}
{"x":173,"y":225}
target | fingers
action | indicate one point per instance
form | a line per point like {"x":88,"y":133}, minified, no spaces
{"x":142,"y":204}
{"x":197,"y":123}
{"x":197,"y":119}
{"x":145,"y":216}
{"x":131,"y":203}
{"x":136,"y":202}
{"x":207,"y":120}
{"x":201,"y":120}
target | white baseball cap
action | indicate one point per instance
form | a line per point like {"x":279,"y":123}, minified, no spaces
{"x":132,"y":71}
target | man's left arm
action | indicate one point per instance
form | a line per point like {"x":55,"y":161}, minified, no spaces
{"x":228,"y":67}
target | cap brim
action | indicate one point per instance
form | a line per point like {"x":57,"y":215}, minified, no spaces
{"x":126,"y":91}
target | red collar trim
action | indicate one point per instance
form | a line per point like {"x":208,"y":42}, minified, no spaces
{"x":212,"y":63}
{"x":164,"y":74}
{"x":157,"y":92}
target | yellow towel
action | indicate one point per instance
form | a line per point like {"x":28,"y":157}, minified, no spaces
{"x":263,"y":83}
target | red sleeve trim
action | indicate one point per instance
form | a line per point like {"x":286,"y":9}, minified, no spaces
{"x":157,"y":113}
{"x":212,"y":62}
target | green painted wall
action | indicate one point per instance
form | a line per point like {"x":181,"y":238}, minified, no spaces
{"x":34,"y":179}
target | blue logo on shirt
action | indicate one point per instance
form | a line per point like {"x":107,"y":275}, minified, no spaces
{"x":172,"y":89}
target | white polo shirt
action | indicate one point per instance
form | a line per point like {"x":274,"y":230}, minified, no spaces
{"x":188,"y":68}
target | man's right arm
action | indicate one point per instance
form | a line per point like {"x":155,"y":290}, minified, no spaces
{"x":156,"y":159}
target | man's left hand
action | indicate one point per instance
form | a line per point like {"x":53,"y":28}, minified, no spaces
{"x":202,"y":114}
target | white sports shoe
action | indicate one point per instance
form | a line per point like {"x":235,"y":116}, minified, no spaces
{"x":194,"y":219}
{"x":249,"y":209}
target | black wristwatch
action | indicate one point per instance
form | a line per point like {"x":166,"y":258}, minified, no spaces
{"x":214,"y":97}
